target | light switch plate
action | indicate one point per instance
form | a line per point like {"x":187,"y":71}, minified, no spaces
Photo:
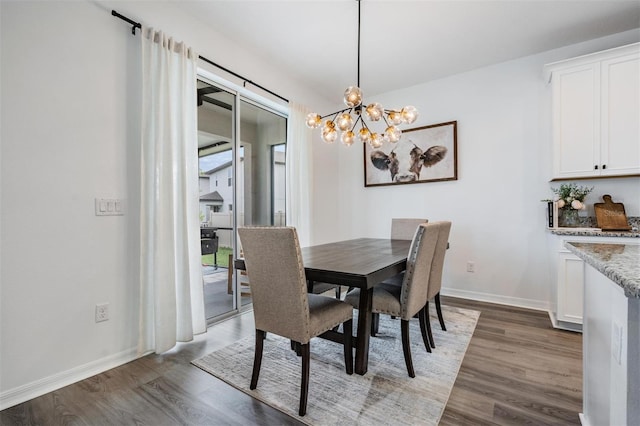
{"x":109,"y":207}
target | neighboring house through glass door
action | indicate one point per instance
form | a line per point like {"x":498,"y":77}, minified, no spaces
{"x":238,"y":137}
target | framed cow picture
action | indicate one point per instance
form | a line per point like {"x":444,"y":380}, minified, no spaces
{"x":423,"y":154}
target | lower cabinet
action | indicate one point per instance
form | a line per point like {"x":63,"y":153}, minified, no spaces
{"x":567,"y":309}
{"x":570,"y":292}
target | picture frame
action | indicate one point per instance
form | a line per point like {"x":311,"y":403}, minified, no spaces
{"x":424,"y":154}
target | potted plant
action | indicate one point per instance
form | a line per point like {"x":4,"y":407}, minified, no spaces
{"x":570,"y":199}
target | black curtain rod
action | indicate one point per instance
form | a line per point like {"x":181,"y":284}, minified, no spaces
{"x":245,"y":80}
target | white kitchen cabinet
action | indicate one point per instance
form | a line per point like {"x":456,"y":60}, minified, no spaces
{"x":570,"y":288}
{"x":566,"y":311}
{"x":596,"y":114}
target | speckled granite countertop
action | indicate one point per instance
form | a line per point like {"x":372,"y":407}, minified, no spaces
{"x":618,"y":262}
{"x":586,"y":232}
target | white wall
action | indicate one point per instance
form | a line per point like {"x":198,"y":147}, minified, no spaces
{"x":504,"y":165}
{"x":68,"y":135}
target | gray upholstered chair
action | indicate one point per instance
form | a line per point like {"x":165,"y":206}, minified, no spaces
{"x":409,"y":299}
{"x":281,"y":304}
{"x":401,"y":229}
{"x":435,"y":277}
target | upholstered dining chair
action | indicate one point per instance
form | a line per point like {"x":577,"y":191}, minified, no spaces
{"x":401,"y":229}
{"x":281,"y":304}
{"x":435,"y":276}
{"x":405,"y":228}
{"x":409,"y":299}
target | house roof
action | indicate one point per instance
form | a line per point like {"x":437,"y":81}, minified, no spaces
{"x":212,"y":196}
{"x":220,"y":167}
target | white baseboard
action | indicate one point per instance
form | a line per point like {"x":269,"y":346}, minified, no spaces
{"x":563,"y":325}
{"x":583,"y":419}
{"x":40,"y":387}
{"x":538,"y":305}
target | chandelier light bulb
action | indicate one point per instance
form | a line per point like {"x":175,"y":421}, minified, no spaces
{"x":409,"y":114}
{"x":395,"y":117}
{"x":376,"y":140}
{"x":345,"y":122}
{"x":348,"y":137}
{"x":392,"y":134}
{"x":329,"y":135}
{"x":374,"y":111}
{"x":364,"y":134}
{"x":329,"y":125}
{"x":313,"y":120}
{"x":352,"y":96}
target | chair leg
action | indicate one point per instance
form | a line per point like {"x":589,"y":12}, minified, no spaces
{"x":257,"y":360}
{"x":304,"y":386}
{"x":428,"y":324}
{"x":338,"y":291}
{"x":423,"y":328}
{"x":439,"y":311}
{"x":347,"y":330}
{"x":375,"y":324}
{"x":406,"y":347}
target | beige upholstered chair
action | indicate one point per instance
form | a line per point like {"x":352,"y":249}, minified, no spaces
{"x":405,"y":228}
{"x":409,"y":299}
{"x":435,"y":277}
{"x":281,"y":304}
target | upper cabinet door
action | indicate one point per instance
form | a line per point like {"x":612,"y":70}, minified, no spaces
{"x":576,"y":121}
{"x":620,"y":133}
{"x":596,"y":114}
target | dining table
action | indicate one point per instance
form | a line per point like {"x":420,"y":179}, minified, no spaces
{"x":361,"y":263}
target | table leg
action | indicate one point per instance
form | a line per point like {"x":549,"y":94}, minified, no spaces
{"x":364,"y":331}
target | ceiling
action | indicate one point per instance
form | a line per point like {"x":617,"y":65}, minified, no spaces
{"x":404,"y":42}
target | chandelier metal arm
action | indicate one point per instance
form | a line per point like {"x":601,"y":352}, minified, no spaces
{"x":335,"y":114}
{"x":356,"y":123}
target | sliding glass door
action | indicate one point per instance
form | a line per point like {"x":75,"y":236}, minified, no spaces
{"x":242,"y":146}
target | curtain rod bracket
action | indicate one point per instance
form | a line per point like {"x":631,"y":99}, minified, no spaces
{"x":124,"y":18}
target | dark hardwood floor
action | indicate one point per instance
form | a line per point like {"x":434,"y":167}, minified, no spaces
{"x":517,"y":370}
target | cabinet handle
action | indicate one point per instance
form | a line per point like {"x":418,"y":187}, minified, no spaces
{"x":604,"y":166}
{"x":595,"y":167}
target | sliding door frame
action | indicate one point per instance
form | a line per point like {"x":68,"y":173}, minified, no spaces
{"x":240,"y":94}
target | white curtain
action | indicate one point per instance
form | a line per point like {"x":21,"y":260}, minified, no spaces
{"x":171,"y":286}
{"x":299,"y":173}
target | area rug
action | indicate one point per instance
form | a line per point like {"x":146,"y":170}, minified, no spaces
{"x":385,"y":395}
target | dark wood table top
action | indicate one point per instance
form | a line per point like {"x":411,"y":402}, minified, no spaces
{"x":362,"y":262}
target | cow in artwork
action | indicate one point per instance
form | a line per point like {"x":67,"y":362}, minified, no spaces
{"x":405,"y":160}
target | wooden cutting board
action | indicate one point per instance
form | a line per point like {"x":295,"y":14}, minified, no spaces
{"x":611,"y":216}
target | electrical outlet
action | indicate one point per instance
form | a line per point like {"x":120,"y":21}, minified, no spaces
{"x":471,"y":266}
{"x":102,"y":312}
{"x":617,"y":342}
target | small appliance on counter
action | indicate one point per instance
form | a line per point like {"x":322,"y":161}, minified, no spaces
{"x":611,"y":216}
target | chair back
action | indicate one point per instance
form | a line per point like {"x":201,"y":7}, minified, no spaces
{"x":415,"y":284}
{"x":404,"y":228}
{"x":435,"y":276}
{"x":278,"y":284}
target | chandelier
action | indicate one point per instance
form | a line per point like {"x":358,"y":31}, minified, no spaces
{"x":343,"y":120}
